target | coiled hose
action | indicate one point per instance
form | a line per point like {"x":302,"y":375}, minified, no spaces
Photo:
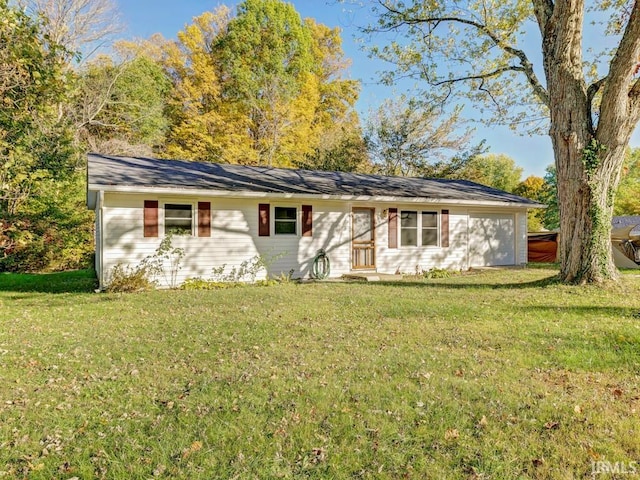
{"x":321,"y":266}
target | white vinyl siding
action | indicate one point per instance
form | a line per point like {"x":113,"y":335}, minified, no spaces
{"x":234,"y":236}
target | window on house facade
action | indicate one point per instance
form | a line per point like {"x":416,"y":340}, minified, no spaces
{"x":429,"y":229}
{"x":418,"y":229}
{"x":408,"y":229}
{"x":178,"y":219}
{"x":285,"y":220}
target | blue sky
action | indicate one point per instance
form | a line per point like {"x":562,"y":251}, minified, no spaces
{"x":146,"y":17}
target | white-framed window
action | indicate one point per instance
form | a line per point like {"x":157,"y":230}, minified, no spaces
{"x":408,"y":229}
{"x":429,"y":229}
{"x":419,"y":229}
{"x":285,"y":220}
{"x":178,"y":218}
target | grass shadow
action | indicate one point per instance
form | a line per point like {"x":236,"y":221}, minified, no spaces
{"x":77,"y":281}
{"x":582,"y":310}
{"x":459,"y":283}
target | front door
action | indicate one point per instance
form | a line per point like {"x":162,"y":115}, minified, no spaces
{"x":363,"y":251}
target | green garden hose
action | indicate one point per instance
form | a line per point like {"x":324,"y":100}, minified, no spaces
{"x":321,"y":266}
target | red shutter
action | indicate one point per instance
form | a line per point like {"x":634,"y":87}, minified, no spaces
{"x":263,"y":219}
{"x":393,"y":228}
{"x":307,"y":221}
{"x":444,"y":225}
{"x":150,"y":218}
{"x":204,"y":219}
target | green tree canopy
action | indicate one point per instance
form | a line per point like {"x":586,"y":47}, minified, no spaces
{"x":628,"y":195}
{"x":551,"y":216}
{"x":265,"y":65}
{"x":43,"y":222}
{"x":34,"y":142}
{"x":494,"y":170}
{"x":120,"y":107}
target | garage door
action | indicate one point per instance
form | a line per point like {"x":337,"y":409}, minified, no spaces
{"x":491,"y":240}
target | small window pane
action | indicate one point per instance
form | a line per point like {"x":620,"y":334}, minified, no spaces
{"x":178,"y":219}
{"x":172,"y":210}
{"x":286,"y":220}
{"x":409,"y":238}
{"x":285,"y":213}
{"x":285,"y":228}
{"x":429,"y":237}
{"x":429,"y":219}
{"x":409,"y":219}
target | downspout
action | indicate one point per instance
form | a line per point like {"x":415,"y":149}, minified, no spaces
{"x":522,"y":238}
{"x":525,"y":238}
{"x":99,"y":226}
{"x":468,"y":232}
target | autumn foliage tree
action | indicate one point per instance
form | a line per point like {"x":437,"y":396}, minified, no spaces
{"x":592,"y":104}
{"x":195,"y":111}
{"x":533,"y":187}
{"x":258,"y":87}
{"x":41,"y":225}
{"x":628,"y":195}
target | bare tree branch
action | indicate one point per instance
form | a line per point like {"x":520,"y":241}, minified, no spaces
{"x":482,"y":76}
{"x":81,"y":26}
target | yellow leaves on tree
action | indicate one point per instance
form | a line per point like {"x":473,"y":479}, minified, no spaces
{"x":232,"y":109}
{"x":196,"y":121}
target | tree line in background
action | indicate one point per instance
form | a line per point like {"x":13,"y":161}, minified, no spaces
{"x":260,"y":86}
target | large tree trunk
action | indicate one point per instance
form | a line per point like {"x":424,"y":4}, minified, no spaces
{"x":586,"y":206}
{"x":588,"y":158}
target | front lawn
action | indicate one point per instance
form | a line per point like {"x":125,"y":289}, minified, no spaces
{"x":499,"y":374}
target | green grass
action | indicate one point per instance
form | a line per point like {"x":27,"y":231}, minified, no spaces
{"x":499,"y":374}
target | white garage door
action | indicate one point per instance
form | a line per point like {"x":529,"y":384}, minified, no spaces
{"x":491,"y":239}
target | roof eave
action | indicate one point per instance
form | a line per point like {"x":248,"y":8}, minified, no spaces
{"x":281,"y":195}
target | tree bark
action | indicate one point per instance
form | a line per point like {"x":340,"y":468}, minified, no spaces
{"x":588,"y":158}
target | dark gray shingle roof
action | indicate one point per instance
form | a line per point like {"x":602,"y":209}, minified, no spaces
{"x":626,"y":221}
{"x":105,"y":171}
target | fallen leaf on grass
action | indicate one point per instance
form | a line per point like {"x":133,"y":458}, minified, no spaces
{"x":159,"y":470}
{"x":451,"y":434}
{"x":194,"y":447}
{"x":319,"y":455}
